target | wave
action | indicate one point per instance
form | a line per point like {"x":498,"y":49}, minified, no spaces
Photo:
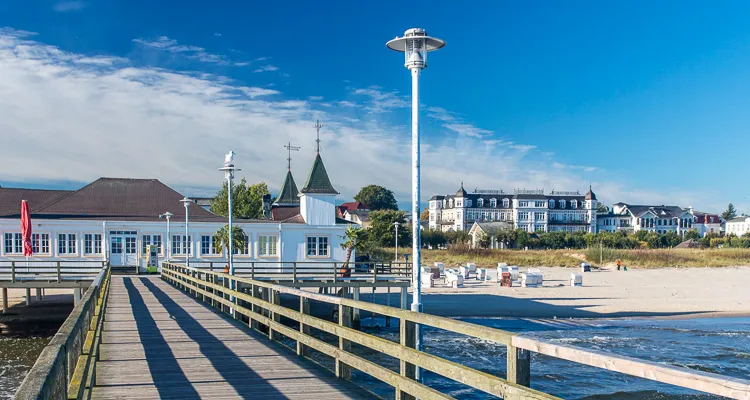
{"x":647,"y":395}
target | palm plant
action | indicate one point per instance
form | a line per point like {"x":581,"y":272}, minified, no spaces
{"x":221,"y":238}
{"x":349,"y":244}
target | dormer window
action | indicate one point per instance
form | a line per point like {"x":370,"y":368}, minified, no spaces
{"x":551,"y":204}
{"x":480,"y":202}
{"x":468,"y":203}
{"x":493,"y":203}
{"x":506,"y":203}
{"x":573,"y":204}
{"x":450,"y":203}
{"x":562,"y":203}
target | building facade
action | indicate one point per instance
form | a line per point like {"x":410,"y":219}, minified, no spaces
{"x":530,"y":210}
{"x":114,"y":219}
{"x":632,"y":218}
{"x":738,"y":226}
{"x":706,"y":223}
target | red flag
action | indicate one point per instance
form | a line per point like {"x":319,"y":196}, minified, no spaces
{"x":26,"y":228}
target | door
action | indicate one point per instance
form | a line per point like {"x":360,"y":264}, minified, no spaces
{"x":116,"y":253}
{"x":130,"y":255}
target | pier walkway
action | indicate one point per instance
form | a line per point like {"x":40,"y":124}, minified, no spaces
{"x":195,"y":333}
{"x":158,"y":342}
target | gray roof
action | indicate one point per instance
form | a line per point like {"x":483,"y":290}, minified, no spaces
{"x":741,"y":218}
{"x":318,"y":181}
{"x":491,"y":227}
{"x":660,"y":211}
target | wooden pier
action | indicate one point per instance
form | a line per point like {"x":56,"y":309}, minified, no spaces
{"x":189,"y":334}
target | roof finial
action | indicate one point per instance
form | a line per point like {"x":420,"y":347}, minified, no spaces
{"x":290,"y":148}
{"x":317,"y":127}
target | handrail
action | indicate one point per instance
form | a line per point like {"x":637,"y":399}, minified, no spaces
{"x":64,"y":369}
{"x":15,"y":271}
{"x":264,"y":309}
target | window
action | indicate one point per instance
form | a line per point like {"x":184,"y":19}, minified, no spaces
{"x":66,"y":243}
{"x":573,"y":204}
{"x":208,"y":247}
{"x":153,"y":240}
{"x":13,"y":243}
{"x":539,"y":216}
{"x":267,"y":245}
{"x":523,"y":203}
{"x":317,"y":246}
{"x":245,"y":250}
{"x":480,"y":203}
{"x":92,"y":243}
{"x":562,"y":203}
{"x":523,"y":216}
{"x":450,"y":203}
{"x":40,"y":243}
{"x":180,"y":245}
{"x":493,"y":203}
{"x":539,"y":204}
{"x":458,"y":203}
{"x":551,"y":204}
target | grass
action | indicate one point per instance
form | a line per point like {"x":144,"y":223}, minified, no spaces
{"x":641,"y":258}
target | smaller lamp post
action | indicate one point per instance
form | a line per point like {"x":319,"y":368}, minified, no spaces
{"x":228,"y":170}
{"x":395,"y":225}
{"x":186,"y":201}
{"x":167,"y":242}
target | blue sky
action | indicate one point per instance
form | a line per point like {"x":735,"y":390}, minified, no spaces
{"x":645,"y":100}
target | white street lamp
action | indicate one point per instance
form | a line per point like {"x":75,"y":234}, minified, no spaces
{"x":186,"y":201}
{"x":395,"y":225}
{"x":168,"y":240}
{"x":229,"y":169}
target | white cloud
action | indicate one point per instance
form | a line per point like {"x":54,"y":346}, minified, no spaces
{"x":468,"y":130}
{"x":266,"y":68}
{"x":64,"y":117}
{"x":315,"y":98}
{"x":217,"y":34}
{"x":164,"y":43}
{"x":64,"y":6}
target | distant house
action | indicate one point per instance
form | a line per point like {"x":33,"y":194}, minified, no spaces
{"x":632,"y":218}
{"x":491,"y":229}
{"x":738,"y":226}
{"x":203,"y":202}
{"x":350,"y":206}
{"x":706,"y":223}
{"x":114,"y":219}
{"x":361,"y":217}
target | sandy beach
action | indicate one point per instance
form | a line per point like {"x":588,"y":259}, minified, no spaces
{"x":608,"y":293}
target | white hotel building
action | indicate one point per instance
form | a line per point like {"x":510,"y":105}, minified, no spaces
{"x":113,"y":219}
{"x":531,"y":210}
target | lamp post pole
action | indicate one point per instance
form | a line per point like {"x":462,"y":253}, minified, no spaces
{"x":186,"y":201}
{"x":228,"y":170}
{"x":395,"y":225}
{"x":168,"y":240}
{"x":415,"y":44}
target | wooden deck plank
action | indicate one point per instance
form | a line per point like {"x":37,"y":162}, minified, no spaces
{"x":157,"y":342}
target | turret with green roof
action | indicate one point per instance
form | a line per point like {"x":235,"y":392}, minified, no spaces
{"x":318,"y":181}
{"x":288,"y":196}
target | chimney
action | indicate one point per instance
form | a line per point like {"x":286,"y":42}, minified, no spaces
{"x":267,"y":206}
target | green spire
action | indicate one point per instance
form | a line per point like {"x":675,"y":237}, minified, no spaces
{"x":318,"y":181}
{"x":288,"y":193}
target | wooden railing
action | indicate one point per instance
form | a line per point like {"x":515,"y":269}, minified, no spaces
{"x":65,"y":369}
{"x":261,"y":307}
{"x":309,"y":270}
{"x":50,"y":271}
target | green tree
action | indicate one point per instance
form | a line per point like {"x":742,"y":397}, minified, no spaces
{"x":654,"y":240}
{"x":522,"y":238}
{"x":692,"y":234}
{"x":377,"y":198}
{"x":483,"y":240}
{"x":433,"y":238}
{"x":221,"y":238}
{"x":381,"y":231}
{"x":350,"y":240}
{"x":247,"y":200}
{"x":729,"y":213}
{"x":671,"y":239}
{"x":457,"y":237}
{"x":601,"y":208}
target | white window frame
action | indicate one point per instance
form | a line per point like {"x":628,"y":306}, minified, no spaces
{"x":523,"y":203}
{"x":95,"y":242}
{"x":181,"y":244}
{"x":16,"y":243}
{"x":36,"y":241}
{"x":212,"y":252}
{"x":265,"y":245}
{"x":317,"y":245}
{"x":150,"y":241}
{"x":248,"y":247}
{"x":506,"y":203}
{"x":561,"y":202}
{"x":480,"y":202}
{"x":551,"y":204}
{"x":67,"y":252}
{"x":574,"y":204}
{"x":540,"y":204}
{"x":493,"y":203}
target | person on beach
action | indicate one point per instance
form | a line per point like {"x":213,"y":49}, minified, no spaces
{"x":619,"y":264}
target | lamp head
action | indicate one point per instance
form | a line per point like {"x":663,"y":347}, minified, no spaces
{"x":186,"y":202}
{"x":415,"y":44}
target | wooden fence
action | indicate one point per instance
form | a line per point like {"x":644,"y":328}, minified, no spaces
{"x":49,"y":271}
{"x":261,"y":306}
{"x":65,"y":369}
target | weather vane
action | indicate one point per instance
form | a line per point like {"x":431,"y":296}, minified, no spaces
{"x":290,"y":148}
{"x":317,"y":127}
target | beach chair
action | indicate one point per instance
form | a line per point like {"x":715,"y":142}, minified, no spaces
{"x":585,"y":267}
{"x":576,"y":279}
{"x":491,"y":275}
{"x":472,"y":267}
{"x":440,"y":266}
{"x":464,"y":271}
{"x":514,"y":273}
{"x":481,"y":274}
{"x":454,"y":278}
{"x":531,"y":279}
{"x":427,"y":278}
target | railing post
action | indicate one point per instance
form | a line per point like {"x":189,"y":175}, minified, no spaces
{"x":12,"y":271}
{"x":407,"y":333}
{"x":59,"y":273}
{"x":335,"y":272}
{"x":273,"y":298}
{"x":252,"y":270}
{"x":254,"y":322}
{"x":519,"y":366}
{"x":304,"y":308}
{"x":344,"y":371}
{"x":294,"y":271}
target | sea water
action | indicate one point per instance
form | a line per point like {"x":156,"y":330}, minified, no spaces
{"x":17,"y":356}
{"x":717,"y":345}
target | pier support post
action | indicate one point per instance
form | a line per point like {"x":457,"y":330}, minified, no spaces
{"x":38,"y":294}
{"x":388,"y":303}
{"x":356,"y":323}
{"x":408,"y":334}
{"x":519,"y":366}
{"x":304,"y":308}
{"x":404,"y":299}
{"x":344,"y":371}
{"x":76,"y":295}
{"x":28,"y":296}
{"x":5,"y":300}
